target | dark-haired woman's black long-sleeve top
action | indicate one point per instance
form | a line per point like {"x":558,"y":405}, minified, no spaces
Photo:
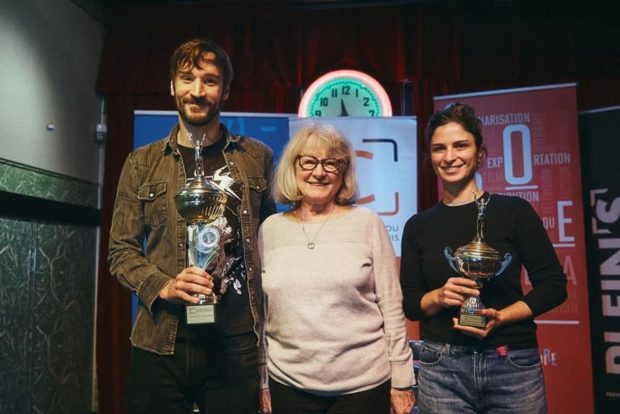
{"x":511,"y":225}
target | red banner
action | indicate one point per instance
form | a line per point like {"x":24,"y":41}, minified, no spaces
{"x":533,"y":153}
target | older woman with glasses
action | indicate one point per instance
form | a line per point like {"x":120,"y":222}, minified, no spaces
{"x":335,"y":329}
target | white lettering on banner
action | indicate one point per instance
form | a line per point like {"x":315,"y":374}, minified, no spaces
{"x":611,"y":307}
{"x":393,"y":232}
{"x":552,"y":158}
{"x":548,"y":357}
{"x":494,"y":162}
{"x":611,"y":266}
{"x":612,"y":354}
{"x":507,"y":118}
{"x":548,"y":222}
{"x":567,"y":267}
{"x":526,"y":154}
{"x":605,"y":213}
{"x":562,"y":221}
{"x":608,"y":216}
{"x":569,"y":270}
{"x":602,"y":213}
{"x":610,"y":285}
{"x":530,"y":196}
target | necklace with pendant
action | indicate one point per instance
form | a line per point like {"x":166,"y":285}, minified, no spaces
{"x":310,"y":245}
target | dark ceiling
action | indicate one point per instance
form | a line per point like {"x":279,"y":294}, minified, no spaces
{"x":96,"y":8}
{"x":292,"y":3}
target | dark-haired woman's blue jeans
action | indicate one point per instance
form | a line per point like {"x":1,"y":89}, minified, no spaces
{"x":461,"y":379}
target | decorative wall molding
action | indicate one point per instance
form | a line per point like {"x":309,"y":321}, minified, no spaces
{"x":34,"y":182}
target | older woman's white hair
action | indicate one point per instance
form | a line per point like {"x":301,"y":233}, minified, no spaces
{"x":316,"y":136}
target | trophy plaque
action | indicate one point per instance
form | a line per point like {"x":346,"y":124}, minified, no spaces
{"x":202,"y":203}
{"x":479,"y":262}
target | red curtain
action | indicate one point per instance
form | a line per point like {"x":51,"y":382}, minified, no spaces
{"x":440,"y":47}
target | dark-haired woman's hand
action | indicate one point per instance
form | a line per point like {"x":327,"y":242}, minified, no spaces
{"x":455,"y":291}
{"x":493,"y":321}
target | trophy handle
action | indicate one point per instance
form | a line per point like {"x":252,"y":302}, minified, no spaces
{"x":504,"y":264}
{"x":447,"y":252}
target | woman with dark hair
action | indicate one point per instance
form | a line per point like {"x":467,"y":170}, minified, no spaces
{"x":335,"y":329}
{"x":466,"y":369}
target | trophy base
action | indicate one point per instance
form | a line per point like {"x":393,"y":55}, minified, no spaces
{"x":200,"y":314}
{"x":475,"y":321}
{"x":470,"y":313}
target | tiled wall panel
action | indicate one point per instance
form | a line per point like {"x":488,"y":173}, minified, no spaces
{"x":46,"y":316}
{"x":47,"y":299}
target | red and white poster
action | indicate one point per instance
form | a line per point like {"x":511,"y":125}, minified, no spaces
{"x":533,"y":152}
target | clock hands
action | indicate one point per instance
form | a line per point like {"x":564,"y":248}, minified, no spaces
{"x":343,"y":109}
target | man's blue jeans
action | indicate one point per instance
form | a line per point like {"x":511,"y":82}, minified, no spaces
{"x":462,"y":379}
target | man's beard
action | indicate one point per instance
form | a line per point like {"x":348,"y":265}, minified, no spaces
{"x":195,"y":119}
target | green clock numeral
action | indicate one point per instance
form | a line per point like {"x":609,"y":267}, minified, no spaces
{"x":372,"y":112}
{"x":334,"y":93}
{"x":324,"y":102}
{"x":346,"y":90}
{"x":357,"y":92}
{"x":366,"y":100}
{"x":317,"y":112}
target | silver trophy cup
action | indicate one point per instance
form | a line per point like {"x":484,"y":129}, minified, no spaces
{"x":479,"y":262}
{"x":202,"y":203}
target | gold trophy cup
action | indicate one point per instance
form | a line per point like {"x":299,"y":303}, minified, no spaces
{"x":479,"y":262}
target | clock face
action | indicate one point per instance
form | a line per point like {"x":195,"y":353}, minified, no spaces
{"x":345,"y":93}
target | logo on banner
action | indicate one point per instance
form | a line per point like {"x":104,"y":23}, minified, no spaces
{"x":518,"y":162}
{"x":393,"y":197}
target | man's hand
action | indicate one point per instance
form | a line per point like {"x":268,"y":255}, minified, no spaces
{"x":186,"y":284}
{"x":402,"y":401}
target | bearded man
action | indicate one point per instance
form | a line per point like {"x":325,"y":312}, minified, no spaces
{"x":175,"y":364}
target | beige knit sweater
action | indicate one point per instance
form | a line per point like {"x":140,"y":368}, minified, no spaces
{"x":334,"y":319}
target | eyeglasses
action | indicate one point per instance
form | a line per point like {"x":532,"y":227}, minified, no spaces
{"x":309,"y":163}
